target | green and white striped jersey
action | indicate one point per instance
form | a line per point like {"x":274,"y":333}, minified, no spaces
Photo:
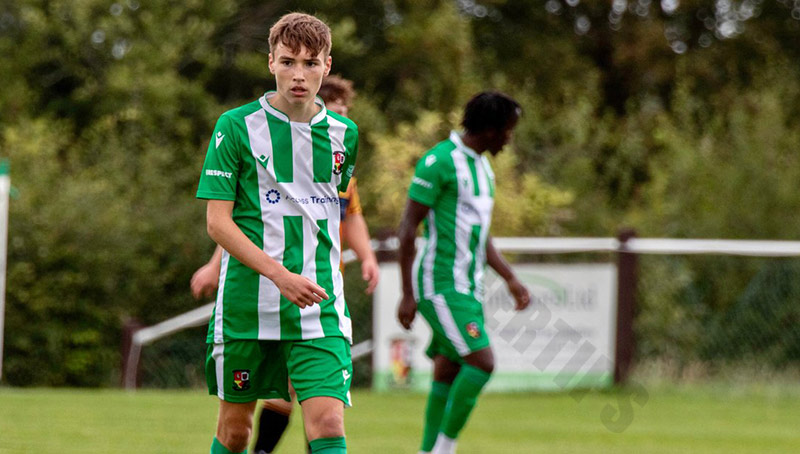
{"x":458,"y":185}
{"x":284,"y":178}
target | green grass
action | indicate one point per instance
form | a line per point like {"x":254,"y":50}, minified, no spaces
{"x":697,"y":419}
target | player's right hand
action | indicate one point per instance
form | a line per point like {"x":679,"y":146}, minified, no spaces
{"x":300,"y":290}
{"x":406,"y":311}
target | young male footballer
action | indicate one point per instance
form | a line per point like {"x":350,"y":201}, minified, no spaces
{"x":453,"y":192}
{"x":272,"y":175}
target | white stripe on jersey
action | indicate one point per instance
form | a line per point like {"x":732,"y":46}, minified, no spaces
{"x":415,"y":270}
{"x":303,"y":176}
{"x":430,"y":256}
{"x":269,"y":321}
{"x":464,"y":222}
{"x":223,"y":273}
{"x":486,"y":203}
{"x":449,"y":324}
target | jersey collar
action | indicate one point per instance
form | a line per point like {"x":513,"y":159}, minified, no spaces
{"x":455,"y":137}
{"x":264,"y":100}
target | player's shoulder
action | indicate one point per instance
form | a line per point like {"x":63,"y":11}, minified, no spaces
{"x":439,"y":155}
{"x":237,"y":114}
{"x":342,"y":119}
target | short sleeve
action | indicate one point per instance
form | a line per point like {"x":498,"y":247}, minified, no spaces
{"x":426,"y":185}
{"x":221,"y":168}
{"x":354,"y":207}
{"x":350,"y":154}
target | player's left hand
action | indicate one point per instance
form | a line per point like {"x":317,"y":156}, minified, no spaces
{"x":406,"y":311}
{"x":204,"y":281}
{"x":370,"y":273}
{"x":522,"y":298}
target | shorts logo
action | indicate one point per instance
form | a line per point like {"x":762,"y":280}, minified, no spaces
{"x":346,"y":375}
{"x":338,"y":162}
{"x":273,"y":196}
{"x":241,"y":380}
{"x":473,"y":330}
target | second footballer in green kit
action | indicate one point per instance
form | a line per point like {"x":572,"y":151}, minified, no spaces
{"x":453,"y":192}
{"x":272,"y":178}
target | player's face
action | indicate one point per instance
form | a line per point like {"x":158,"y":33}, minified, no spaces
{"x":337,"y":105}
{"x":298,"y":76}
{"x":499,"y":139}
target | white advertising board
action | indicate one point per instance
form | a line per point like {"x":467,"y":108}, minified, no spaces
{"x":563,"y":340}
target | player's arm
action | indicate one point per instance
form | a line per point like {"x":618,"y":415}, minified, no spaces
{"x":206,"y":278}
{"x":414,"y":213}
{"x":221,"y":228}
{"x":520,"y":293}
{"x":356,"y":235}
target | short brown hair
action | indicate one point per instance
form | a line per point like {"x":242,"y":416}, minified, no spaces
{"x":334,"y":87}
{"x":298,"y":29}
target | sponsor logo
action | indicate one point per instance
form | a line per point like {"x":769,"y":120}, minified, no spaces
{"x":273,"y":196}
{"x":425,"y":184}
{"x":313,"y":199}
{"x":473,"y":330}
{"x":241,"y":380}
{"x":220,"y":137}
{"x":218,"y":173}
{"x":346,"y":375}
{"x":338,"y":162}
{"x":430,"y":160}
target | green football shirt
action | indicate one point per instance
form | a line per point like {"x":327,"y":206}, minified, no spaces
{"x":284,"y":178}
{"x":457,"y":184}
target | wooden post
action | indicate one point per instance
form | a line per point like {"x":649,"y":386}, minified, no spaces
{"x":626,"y":306}
{"x":130,"y":359}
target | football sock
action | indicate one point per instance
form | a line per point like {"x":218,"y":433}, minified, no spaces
{"x":219,"y":448}
{"x":271,"y":425}
{"x":444,"y":445}
{"x":464,"y":394}
{"x":437,"y":400}
{"x":334,"y":445}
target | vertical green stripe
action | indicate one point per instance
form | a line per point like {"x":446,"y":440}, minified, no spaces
{"x":476,"y":189}
{"x":474,"y":242}
{"x":328,"y":317}
{"x":282,"y":152}
{"x":322,"y":152}
{"x":293,"y":261}
{"x":240,"y":308}
{"x":240,"y":297}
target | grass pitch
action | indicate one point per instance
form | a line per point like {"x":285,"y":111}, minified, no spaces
{"x":699,"y":419}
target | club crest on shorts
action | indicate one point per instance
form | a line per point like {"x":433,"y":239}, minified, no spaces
{"x":473,"y":330}
{"x":241,"y":380}
{"x":338,"y":162}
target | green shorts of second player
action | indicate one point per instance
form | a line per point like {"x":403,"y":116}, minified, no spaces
{"x":457,"y":324}
{"x":242,"y":371}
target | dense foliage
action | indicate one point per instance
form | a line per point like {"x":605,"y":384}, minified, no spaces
{"x":676,"y":118}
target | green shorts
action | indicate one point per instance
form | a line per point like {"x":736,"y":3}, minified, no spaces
{"x":247,"y":370}
{"x":457,"y":324}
